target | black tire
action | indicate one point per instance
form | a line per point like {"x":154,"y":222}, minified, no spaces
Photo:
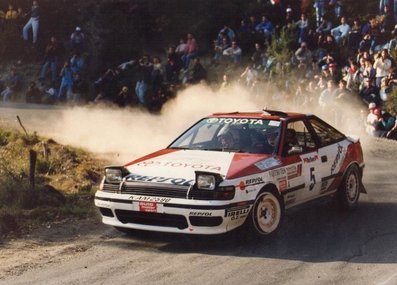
{"x":349,"y":189}
{"x":266,"y":215}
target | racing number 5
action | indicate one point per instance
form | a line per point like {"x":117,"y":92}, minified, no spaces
{"x":312,"y":179}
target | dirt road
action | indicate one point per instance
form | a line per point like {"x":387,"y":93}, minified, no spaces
{"x":316,"y":245}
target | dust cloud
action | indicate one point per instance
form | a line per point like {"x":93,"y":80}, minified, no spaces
{"x":125,"y":134}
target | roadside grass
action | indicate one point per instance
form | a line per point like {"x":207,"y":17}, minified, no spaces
{"x":66,"y":179}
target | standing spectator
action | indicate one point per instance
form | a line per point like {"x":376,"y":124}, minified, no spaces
{"x":382,"y":4}
{"x":157,"y":75}
{"x":51,"y":57}
{"x":173,"y":66}
{"x":234,"y":52}
{"x":12,"y":84}
{"x":336,"y":6}
{"x":382,"y":66}
{"x":77,"y":62}
{"x":341,"y":32}
{"x":144,"y":75}
{"x":77,"y":39}
{"x":320,"y":6}
{"x":33,"y":95}
{"x":191,"y":51}
{"x":251,"y":76}
{"x":66,"y":82}
{"x":79,"y":88}
{"x":33,"y":23}
{"x":373,"y":120}
{"x":302,"y":27}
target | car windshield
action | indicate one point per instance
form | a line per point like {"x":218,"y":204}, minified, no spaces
{"x":247,"y":135}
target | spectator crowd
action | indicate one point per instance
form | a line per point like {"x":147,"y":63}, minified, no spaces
{"x":329,"y":59}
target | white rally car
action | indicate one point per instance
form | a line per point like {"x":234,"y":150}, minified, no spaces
{"x":231,"y":170}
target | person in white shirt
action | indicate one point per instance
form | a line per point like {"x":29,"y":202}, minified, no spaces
{"x":382,"y":66}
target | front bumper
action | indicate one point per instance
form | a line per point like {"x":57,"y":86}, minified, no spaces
{"x":172,"y":215}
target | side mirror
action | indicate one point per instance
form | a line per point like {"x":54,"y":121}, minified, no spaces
{"x":295,"y":150}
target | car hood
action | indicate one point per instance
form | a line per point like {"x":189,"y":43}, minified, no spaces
{"x":178,"y":166}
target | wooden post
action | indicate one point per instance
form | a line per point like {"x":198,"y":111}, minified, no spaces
{"x":32,"y":161}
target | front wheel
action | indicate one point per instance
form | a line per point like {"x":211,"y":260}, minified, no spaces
{"x":349,"y":190}
{"x":266,"y":214}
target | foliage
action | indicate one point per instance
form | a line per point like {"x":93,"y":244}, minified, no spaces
{"x":61,"y":172}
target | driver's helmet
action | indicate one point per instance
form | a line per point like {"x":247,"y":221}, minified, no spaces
{"x":229,"y":137}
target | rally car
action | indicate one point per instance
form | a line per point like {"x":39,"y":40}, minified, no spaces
{"x":234,"y":169}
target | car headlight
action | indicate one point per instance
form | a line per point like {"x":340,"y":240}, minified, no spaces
{"x":113,"y":175}
{"x":205,"y":182}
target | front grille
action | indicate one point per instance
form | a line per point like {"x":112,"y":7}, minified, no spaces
{"x":156,"y":190}
{"x":111,"y":188}
{"x":169,"y":191}
{"x":152,"y":219}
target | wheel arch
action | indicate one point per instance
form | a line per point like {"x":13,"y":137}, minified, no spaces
{"x":272,"y":188}
{"x":360,"y":173}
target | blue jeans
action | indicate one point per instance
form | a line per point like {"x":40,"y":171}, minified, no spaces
{"x":186,"y":59}
{"x":54,"y":66}
{"x":382,"y":4}
{"x":140,"y":90}
{"x":34,"y":24}
{"x":6,"y":93}
{"x":65,"y":87}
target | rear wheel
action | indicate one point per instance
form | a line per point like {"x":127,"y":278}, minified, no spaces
{"x":266,"y":214}
{"x":349,"y":189}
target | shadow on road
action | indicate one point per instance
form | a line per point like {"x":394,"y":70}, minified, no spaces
{"x":318,"y":234}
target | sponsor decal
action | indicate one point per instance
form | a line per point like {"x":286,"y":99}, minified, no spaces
{"x":337,"y":158}
{"x":291,"y":198}
{"x":196,"y":166}
{"x":282,"y":184}
{"x":310,"y":158}
{"x":249,"y":182}
{"x":235,"y":121}
{"x":267,"y":163}
{"x":237,"y":212}
{"x":294,"y":171}
{"x":200,"y":214}
{"x":277,"y":172}
{"x":254,"y":181}
{"x":147,"y":207}
{"x":324,"y":185}
{"x":160,"y":179}
{"x":150,"y":199}
{"x":274,"y":123}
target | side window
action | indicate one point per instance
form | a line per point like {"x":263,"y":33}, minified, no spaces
{"x":326,"y":134}
{"x":297,"y":134}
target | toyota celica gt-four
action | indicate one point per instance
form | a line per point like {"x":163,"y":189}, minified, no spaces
{"x":231,"y":170}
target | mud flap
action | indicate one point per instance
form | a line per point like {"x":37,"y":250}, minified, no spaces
{"x":362,"y":188}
